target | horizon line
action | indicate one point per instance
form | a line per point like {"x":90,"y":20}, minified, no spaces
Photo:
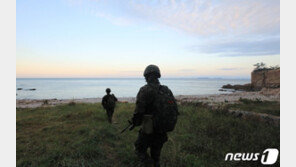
{"x":192,"y":77}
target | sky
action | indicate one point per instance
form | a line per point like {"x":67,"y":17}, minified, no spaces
{"x":115,"y":38}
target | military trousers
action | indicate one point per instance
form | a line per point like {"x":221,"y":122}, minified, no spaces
{"x":110,"y":112}
{"x":153,"y":141}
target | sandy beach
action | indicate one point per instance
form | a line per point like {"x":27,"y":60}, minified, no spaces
{"x":264,"y":95}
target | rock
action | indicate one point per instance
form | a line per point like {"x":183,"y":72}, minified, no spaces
{"x":266,"y":118}
{"x":265,"y":78}
{"x":245,"y":87}
{"x":228,"y":86}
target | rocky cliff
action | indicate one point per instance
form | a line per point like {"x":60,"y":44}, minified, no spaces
{"x":265,"y":78}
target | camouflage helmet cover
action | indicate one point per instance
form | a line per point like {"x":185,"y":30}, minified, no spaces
{"x":152,"y":69}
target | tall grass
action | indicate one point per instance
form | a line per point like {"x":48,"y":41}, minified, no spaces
{"x":258,"y":106}
{"x":80,"y":135}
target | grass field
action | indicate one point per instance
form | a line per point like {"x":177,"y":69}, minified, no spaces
{"x":258,"y":106}
{"x":79,"y":135}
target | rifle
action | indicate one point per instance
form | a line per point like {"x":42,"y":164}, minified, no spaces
{"x":131,"y":126}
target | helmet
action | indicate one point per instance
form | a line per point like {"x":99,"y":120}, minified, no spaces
{"x":152,"y":69}
{"x":108,"y":90}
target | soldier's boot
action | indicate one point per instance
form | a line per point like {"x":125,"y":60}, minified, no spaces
{"x":142,"y":156}
{"x":145,"y":159}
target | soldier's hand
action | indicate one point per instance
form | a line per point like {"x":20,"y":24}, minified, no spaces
{"x":136,"y":122}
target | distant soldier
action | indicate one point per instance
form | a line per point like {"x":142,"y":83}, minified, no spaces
{"x":108,"y":103}
{"x":157,"y":111}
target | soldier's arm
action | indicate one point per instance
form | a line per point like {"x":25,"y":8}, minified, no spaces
{"x":115,"y":98}
{"x":104,"y":101}
{"x":140,"y":107}
{"x":175,"y":100}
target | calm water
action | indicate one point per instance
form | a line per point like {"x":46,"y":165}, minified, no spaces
{"x":89,"y":88}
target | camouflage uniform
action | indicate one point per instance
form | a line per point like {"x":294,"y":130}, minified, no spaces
{"x":144,"y":105}
{"x":109,"y":108}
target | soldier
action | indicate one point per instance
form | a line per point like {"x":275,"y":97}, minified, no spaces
{"x":108,"y":103}
{"x":157,"y":111}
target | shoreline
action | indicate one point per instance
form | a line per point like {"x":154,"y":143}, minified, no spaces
{"x":264,"y":95}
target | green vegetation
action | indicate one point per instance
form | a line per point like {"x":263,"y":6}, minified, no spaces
{"x":258,"y":106}
{"x":262,"y":66}
{"x":79,"y":135}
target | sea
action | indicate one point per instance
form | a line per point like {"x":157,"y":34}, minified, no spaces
{"x":77,"y":88}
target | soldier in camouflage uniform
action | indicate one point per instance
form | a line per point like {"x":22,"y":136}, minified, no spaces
{"x":144,"y":106}
{"x":108,"y":103}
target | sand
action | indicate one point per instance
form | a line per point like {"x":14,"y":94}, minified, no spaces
{"x":264,"y":95}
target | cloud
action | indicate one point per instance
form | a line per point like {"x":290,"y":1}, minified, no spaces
{"x":187,"y":70}
{"x":270,"y":46}
{"x":131,"y":71}
{"x":116,"y":20}
{"x":230,"y":69}
{"x":199,"y":17}
{"x":212,"y":17}
{"x":222,"y":27}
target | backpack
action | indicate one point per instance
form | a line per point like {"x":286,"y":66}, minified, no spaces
{"x":166,"y":110}
{"x":110,"y":101}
